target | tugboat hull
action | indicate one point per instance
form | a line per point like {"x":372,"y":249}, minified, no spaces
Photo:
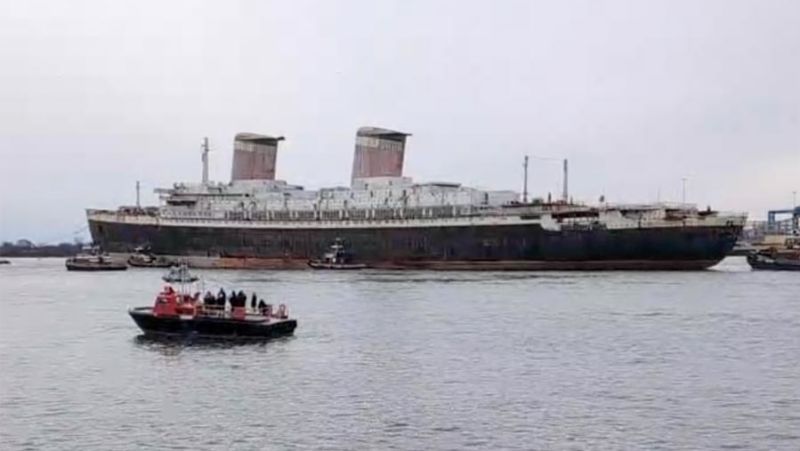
{"x":169,"y":279}
{"x":757,"y":261}
{"x":315,"y":264}
{"x":96,"y":267}
{"x":136,"y":263}
{"x":259,"y":328}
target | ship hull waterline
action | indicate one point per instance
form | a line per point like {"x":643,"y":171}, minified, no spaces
{"x":510,"y":247}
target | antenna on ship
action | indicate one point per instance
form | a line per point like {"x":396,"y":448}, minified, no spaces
{"x":138,"y":204}
{"x":525,"y":182}
{"x":566,"y":181}
{"x":205,"y":148}
{"x":683,"y":190}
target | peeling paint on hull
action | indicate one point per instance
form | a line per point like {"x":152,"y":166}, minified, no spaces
{"x":507,"y":247}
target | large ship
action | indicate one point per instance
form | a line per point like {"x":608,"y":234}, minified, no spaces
{"x":389,"y":221}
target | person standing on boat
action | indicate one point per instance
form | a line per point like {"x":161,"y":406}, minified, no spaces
{"x":208,"y":299}
{"x":221,"y":297}
{"x":253,"y":301}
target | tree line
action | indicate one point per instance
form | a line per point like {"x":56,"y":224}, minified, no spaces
{"x":26,"y":248}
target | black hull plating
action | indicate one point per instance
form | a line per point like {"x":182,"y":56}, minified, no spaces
{"x":93,"y":267}
{"x":336,"y":266}
{"x":471,"y":247}
{"x":211,"y":327}
{"x":138,"y":264}
{"x":761,"y":263}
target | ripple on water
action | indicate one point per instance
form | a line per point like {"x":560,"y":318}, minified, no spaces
{"x":411,"y":360}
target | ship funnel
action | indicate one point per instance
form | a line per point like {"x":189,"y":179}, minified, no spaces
{"x":254,"y":157}
{"x":379,"y":153}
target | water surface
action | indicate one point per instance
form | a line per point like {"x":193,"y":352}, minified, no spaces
{"x":411,"y":360}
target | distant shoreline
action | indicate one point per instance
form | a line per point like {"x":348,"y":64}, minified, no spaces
{"x":27,"y":250}
{"x":2,"y":255}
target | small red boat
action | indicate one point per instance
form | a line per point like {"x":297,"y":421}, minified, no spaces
{"x":177,"y":314}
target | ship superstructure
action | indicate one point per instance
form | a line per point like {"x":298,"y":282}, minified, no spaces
{"x":390,"y":221}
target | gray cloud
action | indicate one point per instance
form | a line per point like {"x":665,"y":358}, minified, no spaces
{"x":95,"y":95}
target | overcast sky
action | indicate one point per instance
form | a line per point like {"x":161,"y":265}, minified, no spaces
{"x":95,"y":95}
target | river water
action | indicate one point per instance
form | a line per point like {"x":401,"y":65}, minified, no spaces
{"x":410,"y":360}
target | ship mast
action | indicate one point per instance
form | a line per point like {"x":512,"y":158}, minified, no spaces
{"x":205,"y":148}
{"x":566,"y":182}
{"x":525,"y":182}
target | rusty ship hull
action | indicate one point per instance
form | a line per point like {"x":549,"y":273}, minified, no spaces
{"x":476,"y":247}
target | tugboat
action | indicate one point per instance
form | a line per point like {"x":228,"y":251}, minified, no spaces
{"x":774,"y":260}
{"x":179,"y":274}
{"x":786,"y":259}
{"x":178,"y":314}
{"x":336,"y":258}
{"x":143,"y":258}
{"x":93,"y":259}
